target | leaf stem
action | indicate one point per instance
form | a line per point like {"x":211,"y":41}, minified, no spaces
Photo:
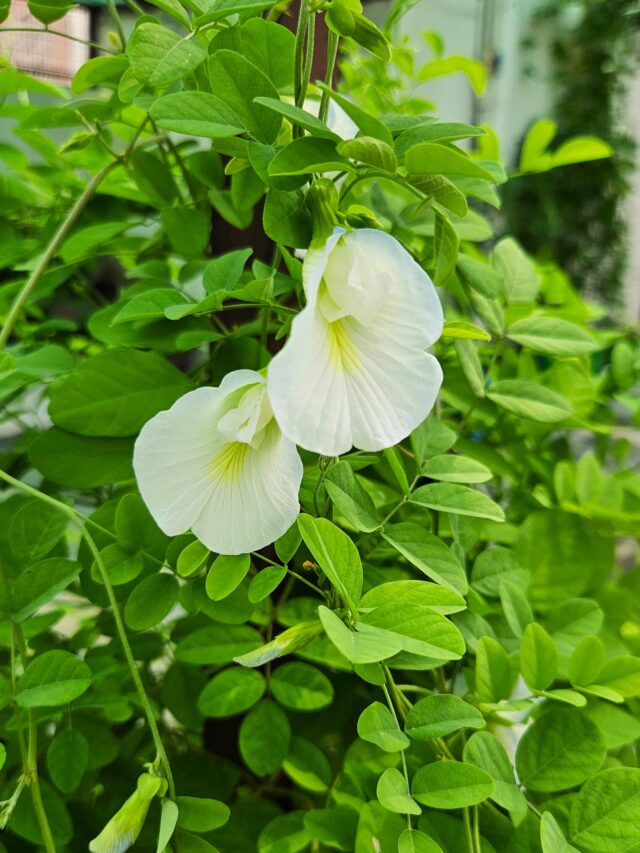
{"x":332,"y":54}
{"x":58,"y":239}
{"x":30,"y":758}
{"x":46,"y":30}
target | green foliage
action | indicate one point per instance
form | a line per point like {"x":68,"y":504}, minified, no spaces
{"x":442,"y":653}
{"x":578,"y":218}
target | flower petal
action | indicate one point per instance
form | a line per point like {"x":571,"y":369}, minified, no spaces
{"x":255,"y":499}
{"x":172,"y":457}
{"x":366,"y":382}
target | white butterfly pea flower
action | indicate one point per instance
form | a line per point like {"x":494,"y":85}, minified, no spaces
{"x":354,"y":371}
{"x":217,"y":462}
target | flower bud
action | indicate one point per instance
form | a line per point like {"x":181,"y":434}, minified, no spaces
{"x":125,"y":826}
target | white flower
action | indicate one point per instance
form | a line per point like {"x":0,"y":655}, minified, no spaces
{"x":216,"y":462}
{"x":354,"y":370}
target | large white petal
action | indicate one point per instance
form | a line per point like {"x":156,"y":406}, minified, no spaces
{"x":307,"y":387}
{"x":255,"y":498}
{"x":172,"y":458}
{"x":368,"y":384}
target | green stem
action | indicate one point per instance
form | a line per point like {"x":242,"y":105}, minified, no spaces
{"x":332,"y":54}
{"x":58,"y":239}
{"x":299,"y":88}
{"x":115,"y":17}
{"x":80,"y":520}
{"x":93,"y":44}
{"x":467,"y":830}
{"x":133,"y":668}
{"x":30,"y":761}
{"x":476,"y":831}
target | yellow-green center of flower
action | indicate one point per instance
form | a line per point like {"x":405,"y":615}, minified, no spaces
{"x":342,"y":352}
{"x":229,"y":462}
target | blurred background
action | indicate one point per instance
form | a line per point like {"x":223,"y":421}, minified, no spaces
{"x":537,"y":73}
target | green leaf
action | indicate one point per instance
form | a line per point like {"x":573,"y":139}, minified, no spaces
{"x":168,"y":821}
{"x":151,"y":600}
{"x":445,"y":248}
{"x":265,"y":736}
{"x":225,"y":8}
{"x":82,"y":462}
{"x":494,"y":677}
{"x":451,"y":785}
{"x":560,"y":750}
{"x":439,"y":715}
{"x":175,"y":10}
{"x":433,"y":159}
{"x":301,"y":687}
{"x":270,"y":47}
{"x":115,"y":393}
{"x":336,"y":555}
{"x":192,"y":558}
{"x":471,"y":365}
{"x":68,"y":759}
{"x":39,"y":583}
{"x":188,"y":230}
{"x":284,"y":834}
{"x":521,"y":278}
{"x":462,"y":329}
{"x":198,"y":814}
{"x":290,"y":640}
{"x":349,"y":497}
{"x":432,"y":438}
{"x":368,"y":124}
{"x":335,"y":826}
{"x":216,"y":644}
{"x":196,"y":114}
{"x":121,"y":565}
{"x":552,"y":837}
{"x":435,"y":131}
{"x":480,"y":277}
{"x":35,"y":529}
{"x":265,"y":582}
{"x":427,"y":553}
{"x":458,"y":500}
{"x":299,"y":117}
{"x":231,"y":691}
{"x":552,"y":336}
{"x":442,"y":190}
{"x":474,"y":70}
{"x":371,"y":151}
{"x":48,"y":11}
{"x":226,"y":574}
{"x":98,"y":71}
{"x":54,"y":677}
{"x":485,"y":751}
{"x":393,"y":793}
{"x":377,"y":724}
{"x":307,"y":766}
{"x":516,"y":607}
{"x":306,"y":155}
{"x":538,"y":657}
{"x":286,"y":218}
{"x":494,"y":565}
{"x":414,"y":841}
{"x":238,"y":82}
{"x":604,"y":814}
{"x":441,"y":599}
{"x":365,"y":645}
{"x":452,"y":468}
{"x":159,"y":56}
{"x":530,"y":400}
{"x":622,"y":675}
{"x":421,"y":631}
